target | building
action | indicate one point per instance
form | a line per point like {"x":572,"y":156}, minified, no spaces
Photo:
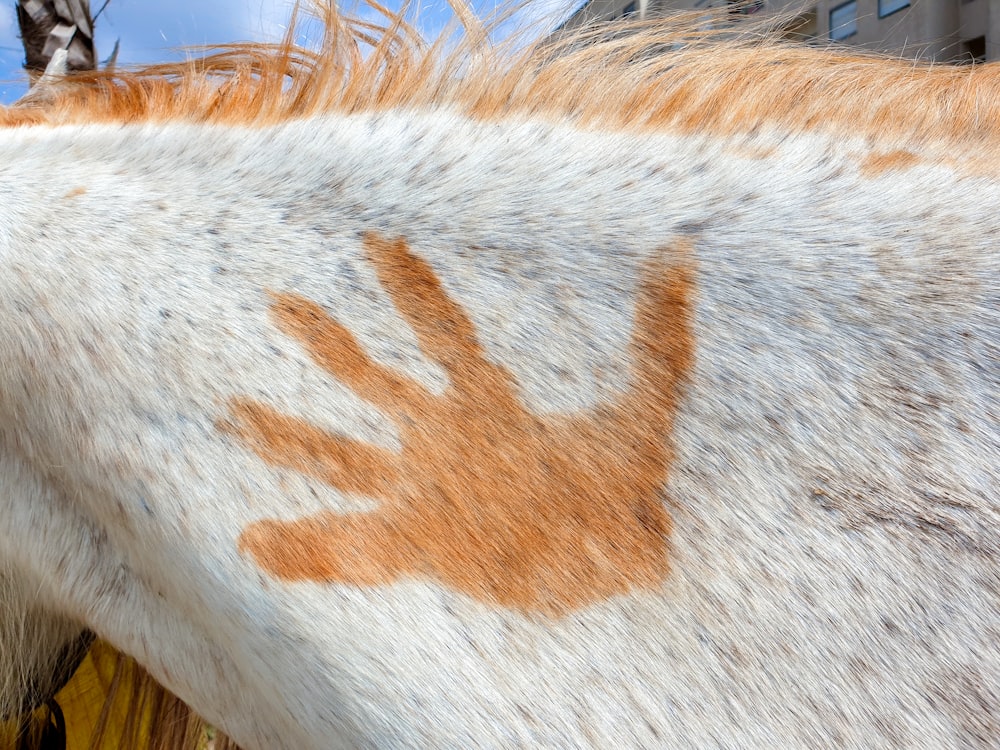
{"x":944,"y":30}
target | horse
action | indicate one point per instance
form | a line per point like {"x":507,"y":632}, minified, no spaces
{"x":638,"y":387}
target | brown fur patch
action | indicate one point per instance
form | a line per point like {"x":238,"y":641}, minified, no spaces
{"x":755,"y":153}
{"x":878,"y":163}
{"x":649,"y":75}
{"x":537,"y":514}
{"x":75,"y":193}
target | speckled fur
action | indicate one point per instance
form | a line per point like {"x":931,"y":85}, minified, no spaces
{"x":834,"y":557}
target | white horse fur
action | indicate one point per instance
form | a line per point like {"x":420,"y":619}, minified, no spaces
{"x":683,"y":368}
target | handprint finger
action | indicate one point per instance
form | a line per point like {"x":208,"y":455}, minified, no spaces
{"x":444,"y":331}
{"x":336,"y":350}
{"x":291,"y":443}
{"x":360,"y":549}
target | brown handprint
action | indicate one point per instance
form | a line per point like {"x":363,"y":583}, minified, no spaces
{"x":538,"y":514}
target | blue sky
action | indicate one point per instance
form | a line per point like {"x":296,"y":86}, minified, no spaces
{"x":155,"y":30}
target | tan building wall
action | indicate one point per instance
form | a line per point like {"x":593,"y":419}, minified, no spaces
{"x":608,"y":10}
{"x":944,"y":30}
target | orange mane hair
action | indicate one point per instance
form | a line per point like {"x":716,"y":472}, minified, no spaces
{"x":653,"y":75}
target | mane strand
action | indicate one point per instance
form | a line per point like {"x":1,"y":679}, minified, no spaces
{"x":655,"y":75}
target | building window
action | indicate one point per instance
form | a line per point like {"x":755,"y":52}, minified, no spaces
{"x":973,"y":50}
{"x":844,"y":21}
{"x":885,"y":7}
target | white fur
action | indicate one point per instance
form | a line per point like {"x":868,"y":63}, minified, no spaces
{"x":835,"y":547}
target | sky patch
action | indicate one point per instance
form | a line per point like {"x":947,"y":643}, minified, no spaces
{"x":151,"y":32}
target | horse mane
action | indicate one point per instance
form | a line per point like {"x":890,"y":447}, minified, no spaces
{"x":675,"y":74}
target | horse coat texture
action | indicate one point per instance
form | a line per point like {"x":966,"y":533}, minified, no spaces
{"x":470,"y":422}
